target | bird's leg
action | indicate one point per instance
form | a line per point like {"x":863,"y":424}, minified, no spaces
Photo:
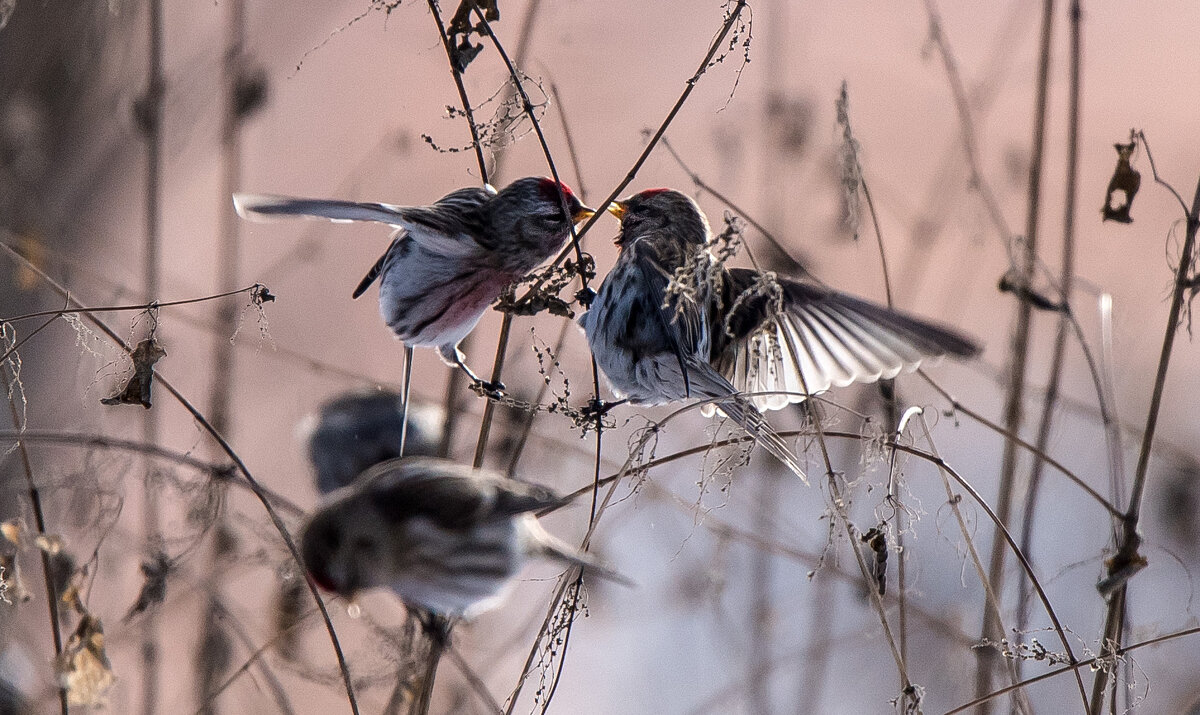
{"x":454,"y":357}
{"x":596,"y":407}
{"x":436,"y":627}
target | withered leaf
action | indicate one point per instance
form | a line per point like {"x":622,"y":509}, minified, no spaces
{"x":137,"y":390}
{"x":83,"y":667}
{"x":154,"y":587}
{"x":461,"y":22}
{"x":1124,"y":183}
{"x":876,"y":540}
{"x":461,"y":28}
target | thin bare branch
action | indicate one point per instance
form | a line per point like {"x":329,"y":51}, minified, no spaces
{"x":1065,"y":282}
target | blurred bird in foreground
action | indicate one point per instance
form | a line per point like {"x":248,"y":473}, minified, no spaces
{"x":448,"y":261}
{"x":671,"y":323}
{"x":357,"y":430}
{"x":445,"y":537}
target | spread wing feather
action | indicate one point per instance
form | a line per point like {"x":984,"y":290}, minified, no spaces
{"x":820,"y":339}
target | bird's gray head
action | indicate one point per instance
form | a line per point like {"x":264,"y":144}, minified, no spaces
{"x":661,"y":214}
{"x":340,"y":546}
{"x":529,"y":213}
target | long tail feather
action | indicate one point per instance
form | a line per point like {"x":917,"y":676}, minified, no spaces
{"x":549,"y":545}
{"x":757,"y":427}
{"x":264,"y":207}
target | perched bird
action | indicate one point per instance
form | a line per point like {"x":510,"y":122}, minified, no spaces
{"x":448,"y":261}
{"x":357,"y":430}
{"x":671,"y":323}
{"x":446,"y":538}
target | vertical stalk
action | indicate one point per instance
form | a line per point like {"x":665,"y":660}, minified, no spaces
{"x":212,"y":658}
{"x":152,"y":106}
{"x":1013,"y":407}
{"x":1066,"y":278}
{"x":489,"y":409}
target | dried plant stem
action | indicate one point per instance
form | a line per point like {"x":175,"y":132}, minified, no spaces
{"x":1128,"y":541}
{"x":473,"y":679}
{"x":437,"y":630}
{"x":576,"y":166}
{"x":840,"y":509}
{"x":139,"y":307}
{"x":965,"y":117}
{"x":489,"y":410}
{"x":450,"y":402}
{"x":152,"y":122}
{"x":39,"y":520}
{"x":887,"y":279}
{"x":898,"y":527}
{"x":1065,"y":284}
{"x":1014,"y":399}
{"x":209,"y":661}
{"x":228,"y":264}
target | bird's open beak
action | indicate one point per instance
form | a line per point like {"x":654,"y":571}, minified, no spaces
{"x":617,"y":208}
{"x":583,"y":213}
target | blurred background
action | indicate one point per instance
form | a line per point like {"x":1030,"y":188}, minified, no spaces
{"x":748,"y":596}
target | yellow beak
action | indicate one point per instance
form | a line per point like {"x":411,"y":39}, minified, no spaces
{"x":583,"y":214}
{"x":617,"y":208}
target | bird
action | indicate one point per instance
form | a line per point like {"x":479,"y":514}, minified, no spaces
{"x":448,"y":261}
{"x":670,"y":322}
{"x":445,"y":537}
{"x":359,"y":429}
